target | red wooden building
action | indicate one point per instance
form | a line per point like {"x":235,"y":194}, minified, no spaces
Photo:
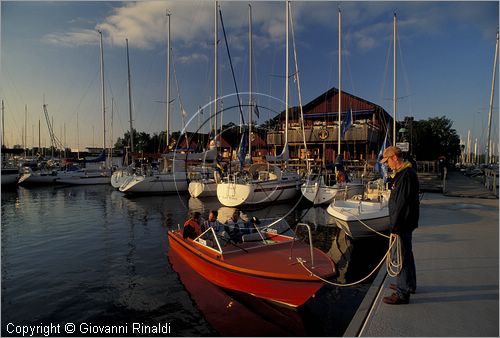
{"x":361,"y":141}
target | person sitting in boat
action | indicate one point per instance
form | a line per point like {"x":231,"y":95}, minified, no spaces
{"x":192,"y":228}
{"x":234,"y":226}
{"x":213,"y":222}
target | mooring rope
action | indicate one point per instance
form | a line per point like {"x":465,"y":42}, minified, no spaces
{"x":393,"y":266}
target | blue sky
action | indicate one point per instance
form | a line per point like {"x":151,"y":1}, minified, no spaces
{"x":445,"y":61}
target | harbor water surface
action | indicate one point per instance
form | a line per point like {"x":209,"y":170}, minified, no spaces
{"x":89,"y":254}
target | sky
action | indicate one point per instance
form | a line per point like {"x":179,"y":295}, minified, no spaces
{"x":50,"y":51}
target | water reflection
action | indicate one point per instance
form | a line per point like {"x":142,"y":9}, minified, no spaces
{"x":236,"y":314}
{"x":73,"y":254}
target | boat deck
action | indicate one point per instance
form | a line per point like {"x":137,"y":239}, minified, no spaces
{"x":272,"y":257}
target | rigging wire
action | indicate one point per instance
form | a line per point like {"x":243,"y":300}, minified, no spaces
{"x":232,"y":68}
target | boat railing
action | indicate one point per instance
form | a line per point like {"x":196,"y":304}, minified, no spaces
{"x":208,"y":238}
{"x":310,"y":242}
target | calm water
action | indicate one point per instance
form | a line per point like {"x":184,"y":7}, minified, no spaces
{"x":91,"y":255}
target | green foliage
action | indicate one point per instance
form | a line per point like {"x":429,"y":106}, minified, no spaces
{"x":434,"y":137}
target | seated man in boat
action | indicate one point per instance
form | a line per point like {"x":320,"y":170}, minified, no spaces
{"x":213,"y":222}
{"x":234,"y":226}
{"x":192,"y":228}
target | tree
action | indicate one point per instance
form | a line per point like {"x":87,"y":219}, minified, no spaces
{"x":435,"y":137}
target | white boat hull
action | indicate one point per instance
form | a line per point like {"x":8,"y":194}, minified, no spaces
{"x":320,"y":193}
{"x":361,"y":218}
{"x":258,"y":192}
{"x":33,"y":178}
{"x":85,"y":179}
{"x":119,"y":177}
{"x":203,"y":188}
{"x":157,"y":184}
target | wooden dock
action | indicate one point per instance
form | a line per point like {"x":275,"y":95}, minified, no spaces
{"x":456,"y":251}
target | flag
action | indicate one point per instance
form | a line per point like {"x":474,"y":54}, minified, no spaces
{"x":346,"y":123}
{"x":256,"y":111}
{"x":243,"y":149}
{"x":382,"y":168}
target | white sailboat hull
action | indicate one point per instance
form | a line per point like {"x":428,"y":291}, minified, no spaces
{"x":28,"y":178}
{"x":357,"y":217}
{"x":203,"y":188}
{"x":119,"y":177}
{"x":258,"y":192}
{"x":320,"y":193}
{"x":167,"y":183}
{"x":84,"y":178}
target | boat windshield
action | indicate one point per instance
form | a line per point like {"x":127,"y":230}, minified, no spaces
{"x":269,"y":231}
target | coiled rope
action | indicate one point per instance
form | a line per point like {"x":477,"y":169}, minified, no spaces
{"x":393,"y":265}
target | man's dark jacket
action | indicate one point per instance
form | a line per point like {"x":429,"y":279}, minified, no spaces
{"x":404,"y":204}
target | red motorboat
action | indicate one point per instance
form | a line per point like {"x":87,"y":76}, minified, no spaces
{"x":265,"y":265}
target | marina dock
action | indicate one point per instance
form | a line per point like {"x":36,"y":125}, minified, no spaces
{"x":456,"y":253}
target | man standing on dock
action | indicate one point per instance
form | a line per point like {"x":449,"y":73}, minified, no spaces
{"x":404,"y":210}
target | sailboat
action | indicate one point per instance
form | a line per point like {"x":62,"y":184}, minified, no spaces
{"x":317,"y":188}
{"x":204,"y":178}
{"x":171,"y":176}
{"x":102,"y":175}
{"x":124,"y":174}
{"x":264,"y":182}
{"x":361,"y":217}
{"x":204,"y":184}
{"x":9,"y":172}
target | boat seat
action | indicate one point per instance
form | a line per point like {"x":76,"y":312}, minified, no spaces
{"x":251,"y":238}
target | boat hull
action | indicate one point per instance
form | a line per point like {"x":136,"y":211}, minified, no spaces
{"x":84,"y":178}
{"x":30,"y":177}
{"x":203,"y":188}
{"x":361,"y":218}
{"x":319,"y":193}
{"x":156,"y":184}
{"x":266,"y":273}
{"x":255,"y":193}
{"x":9,"y":176}
{"x":120,"y":177}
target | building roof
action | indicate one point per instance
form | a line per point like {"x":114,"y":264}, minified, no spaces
{"x":326,"y":105}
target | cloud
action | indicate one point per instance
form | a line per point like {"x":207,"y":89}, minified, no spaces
{"x":367,"y":24}
{"x":191,"y":58}
{"x":72,"y":39}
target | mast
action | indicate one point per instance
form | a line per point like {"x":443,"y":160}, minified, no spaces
{"x":110,"y":155}
{"x":39,"y":143}
{"x":130,"y":103}
{"x":468,"y":146}
{"x":340,"y":90}
{"x":488,"y":148}
{"x":250,"y":106}
{"x":102,"y":93}
{"x":25,"y":131}
{"x":3,"y":125}
{"x":394,"y":84}
{"x":168,"y":83}
{"x":286,"y":78}
{"x":216,"y":45}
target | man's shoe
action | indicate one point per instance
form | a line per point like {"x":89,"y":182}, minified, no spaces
{"x":395,"y":299}
{"x":395,"y":287}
